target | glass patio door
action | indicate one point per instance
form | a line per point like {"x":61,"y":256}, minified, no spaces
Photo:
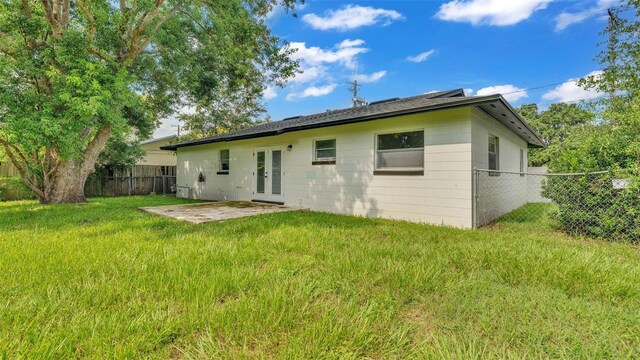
{"x":268,"y":174}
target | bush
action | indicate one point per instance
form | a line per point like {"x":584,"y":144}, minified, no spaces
{"x":12,"y":188}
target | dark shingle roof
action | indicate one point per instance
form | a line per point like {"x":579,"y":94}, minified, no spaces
{"x":376,"y":110}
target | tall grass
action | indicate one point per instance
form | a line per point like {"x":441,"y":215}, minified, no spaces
{"x":103,"y":280}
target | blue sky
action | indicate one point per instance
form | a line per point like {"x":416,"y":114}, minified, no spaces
{"x":411,"y":47}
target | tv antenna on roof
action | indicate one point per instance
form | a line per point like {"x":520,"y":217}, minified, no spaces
{"x":357,"y":101}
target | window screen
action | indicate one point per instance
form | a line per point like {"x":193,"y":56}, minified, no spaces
{"x":400,"y":151}
{"x":325,"y":150}
{"x":494,"y":152}
{"x":224,"y":160}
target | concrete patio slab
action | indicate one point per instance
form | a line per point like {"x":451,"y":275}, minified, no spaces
{"x":216,"y":211}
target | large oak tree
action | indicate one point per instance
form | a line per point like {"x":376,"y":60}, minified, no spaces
{"x":76,"y":73}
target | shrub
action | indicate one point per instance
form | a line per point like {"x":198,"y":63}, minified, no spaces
{"x":590,"y":205}
{"x":12,"y":188}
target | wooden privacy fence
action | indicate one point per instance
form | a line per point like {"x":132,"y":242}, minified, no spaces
{"x":127,"y":186}
{"x":7,"y":169}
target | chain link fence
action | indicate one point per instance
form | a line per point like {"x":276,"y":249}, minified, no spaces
{"x":603,"y":204}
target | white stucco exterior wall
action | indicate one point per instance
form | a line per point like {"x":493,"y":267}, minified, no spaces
{"x":441,"y":196}
{"x":497,"y":195}
{"x":156,"y":157}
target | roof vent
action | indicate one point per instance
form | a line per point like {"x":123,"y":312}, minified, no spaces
{"x":384,"y":101}
{"x":292,"y":117}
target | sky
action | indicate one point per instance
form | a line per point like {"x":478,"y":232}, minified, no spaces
{"x":531,"y":51}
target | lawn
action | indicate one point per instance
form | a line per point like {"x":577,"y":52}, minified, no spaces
{"x":103,"y":280}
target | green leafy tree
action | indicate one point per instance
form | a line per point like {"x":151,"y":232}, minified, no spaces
{"x":621,"y":79}
{"x":224,"y":104}
{"x":555,"y":124}
{"x":614,"y":142}
{"x":224,"y":111}
{"x":120,"y":153}
{"x":75,"y":74}
{"x":590,"y":202}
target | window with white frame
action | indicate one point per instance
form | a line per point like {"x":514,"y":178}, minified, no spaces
{"x":224,"y":161}
{"x":522,"y":166}
{"x":494,"y":154}
{"x":401,"y":151}
{"x":324,"y":150}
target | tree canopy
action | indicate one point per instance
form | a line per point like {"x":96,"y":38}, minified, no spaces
{"x":555,"y":124}
{"x":614,"y":141}
{"x":75,"y":75}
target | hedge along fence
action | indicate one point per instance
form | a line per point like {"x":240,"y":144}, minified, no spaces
{"x":12,"y":188}
{"x":605,"y":205}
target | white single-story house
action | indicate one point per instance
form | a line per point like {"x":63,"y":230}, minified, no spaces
{"x":155,"y":162}
{"x":158,"y":161}
{"x":409,"y":158}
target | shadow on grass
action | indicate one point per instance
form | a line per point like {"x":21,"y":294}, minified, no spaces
{"x":100,"y":218}
{"x":530,"y":218}
{"x":529,"y":213}
{"x":23,"y":214}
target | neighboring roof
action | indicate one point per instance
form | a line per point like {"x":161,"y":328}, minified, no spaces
{"x":494,"y":105}
{"x":151,"y":141}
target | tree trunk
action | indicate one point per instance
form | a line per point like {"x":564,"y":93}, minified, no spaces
{"x":66,"y":186}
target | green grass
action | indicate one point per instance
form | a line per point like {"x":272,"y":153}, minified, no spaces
{"x":103,"y":280}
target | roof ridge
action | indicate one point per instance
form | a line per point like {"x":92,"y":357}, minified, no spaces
{"x":403,"y":106}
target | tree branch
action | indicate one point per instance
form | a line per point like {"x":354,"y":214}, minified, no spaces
{"x":26,"y":8}
{"x":46,"y":4}
{"x":21,"y":169}
{"x":137,"y":45}
{"x":102,"y":54}
{"x":65,"y":12}
{"x":90,"y":18}
{"x":94,"y":148}
{"x":57,"y":13}
{"x":16,"y":150}
{"x":159,"y":24}
{"x":86,"y":132}
{"x":51,"y":160}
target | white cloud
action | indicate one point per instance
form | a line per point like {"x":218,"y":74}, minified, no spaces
{"x":371,"y":78}
{"x":322,"y":66}
{"x":422,"y":56}
{"x":351,"y":17}
{"x":566,"y":19}
{"x":345,"y":54}
{"x":269,"y":93}
{"x":491,"y":12}
{"x":347,"y":43}
{"x":570,"y":91}
{"x":313,"y":91}
{"x":468,"y":92}
{"x":308,"y":74}
{"x":510,"y":92}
